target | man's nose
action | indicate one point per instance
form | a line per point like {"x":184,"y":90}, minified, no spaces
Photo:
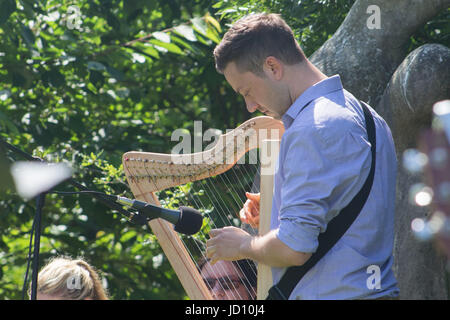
{"x":218,"y":292}
{"x":251,"y":105}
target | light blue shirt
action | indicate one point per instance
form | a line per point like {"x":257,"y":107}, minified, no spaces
{"x":323,"y":163}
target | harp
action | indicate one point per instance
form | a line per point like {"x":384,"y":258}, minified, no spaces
{"x":150,"y":174}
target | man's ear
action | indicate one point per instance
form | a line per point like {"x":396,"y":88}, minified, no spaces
{"x":273,"y":68}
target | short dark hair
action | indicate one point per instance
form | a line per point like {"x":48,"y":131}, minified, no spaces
{"x":255,"y":37}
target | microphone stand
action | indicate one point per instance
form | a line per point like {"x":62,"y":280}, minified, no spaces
{"x":40,"y":200}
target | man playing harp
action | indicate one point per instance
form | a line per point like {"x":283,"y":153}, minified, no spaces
{"x":325,"y":160}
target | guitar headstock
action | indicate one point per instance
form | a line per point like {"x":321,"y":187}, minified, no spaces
{"x":432,"y":159}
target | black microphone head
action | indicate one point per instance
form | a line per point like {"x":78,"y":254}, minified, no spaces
{"x":190,"y":221}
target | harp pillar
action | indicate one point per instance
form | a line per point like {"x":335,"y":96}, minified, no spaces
{"x":269,"y":151}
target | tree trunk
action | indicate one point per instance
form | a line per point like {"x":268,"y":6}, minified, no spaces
{"x":371,"y":62}
{"x":366,"y":58}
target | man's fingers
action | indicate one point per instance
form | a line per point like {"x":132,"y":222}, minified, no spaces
{"x":214,"y":232}
{"x":253,"y":222}
{"x":210,"y":250}
{"x":243,"y":216}
{"x":253,"y":196}
{"x":253,"y":208}
{"x":211,"y":255}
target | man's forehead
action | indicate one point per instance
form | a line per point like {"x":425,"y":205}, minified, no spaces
{"x":219,"y":269}
{"x":235,"y":78}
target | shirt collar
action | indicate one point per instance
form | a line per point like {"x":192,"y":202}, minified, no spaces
{"x":317,"y":90}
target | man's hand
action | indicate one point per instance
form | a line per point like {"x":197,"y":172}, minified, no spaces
{"x":225,"y":244}
{"x":250,"y":211}
{"x":231,"y":243}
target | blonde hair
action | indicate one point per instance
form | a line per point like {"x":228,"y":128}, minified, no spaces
{"x":72,"y":279}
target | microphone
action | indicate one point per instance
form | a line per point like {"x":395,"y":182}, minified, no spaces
{"x":186,"y":220}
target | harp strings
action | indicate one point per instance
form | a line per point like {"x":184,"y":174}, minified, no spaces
{"x":205,"y":196}
{"x":227,"y":214}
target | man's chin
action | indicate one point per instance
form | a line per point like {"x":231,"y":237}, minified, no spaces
{"x":273,"y":115}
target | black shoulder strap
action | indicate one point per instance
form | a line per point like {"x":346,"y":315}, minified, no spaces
{"x":336,"y":227}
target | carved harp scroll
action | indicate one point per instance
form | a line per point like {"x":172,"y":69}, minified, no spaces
{"x":148,"y":173}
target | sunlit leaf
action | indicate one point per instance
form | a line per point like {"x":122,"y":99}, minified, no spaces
{"x":170,"y":47}
{"x":186,"y":31}
{"x":161,"y":36}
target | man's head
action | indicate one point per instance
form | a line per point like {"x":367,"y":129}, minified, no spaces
{"x":254,"y":38}
{"x":254,"y":56}
{"x":230,"y":280}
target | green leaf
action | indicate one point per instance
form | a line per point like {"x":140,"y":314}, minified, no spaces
{"x":7,"y":123}
{"x":147,"y":48}
{"x":168,"y":46}
{"x":212,"y":34}
{"x":18,"y":80}
{"x":57,"y":79}
{"x":54,"y":78}
{"x":179,"y":41}
{"x":118,"y":75}
{"x":96,"y":78}
{"x":94,"y":65}
{"x":217,"y":5}
{"x":199,"y":25}
{"x":27,"y":35}
{"x":209,"y":19}
{"x":187,"y":32}
{"x":7,"y":7}
{"x":61,"y":110}
{"x":161,"y":36}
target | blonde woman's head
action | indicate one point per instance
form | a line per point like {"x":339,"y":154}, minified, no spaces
{"x":69,"y":279}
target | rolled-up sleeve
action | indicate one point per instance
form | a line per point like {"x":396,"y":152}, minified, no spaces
{"x":322,"y":171}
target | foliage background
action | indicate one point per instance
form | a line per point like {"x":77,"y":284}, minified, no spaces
{"x":125,"y":78}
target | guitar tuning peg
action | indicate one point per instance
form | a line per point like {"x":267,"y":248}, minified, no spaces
{"x":441,"y":111}
{"x":443,"y":191}
{"x":421,"y":229}
{"x":439,"y":158}
{"x":420,"y":195}
{"x":414,"y":161}
{"x":437,"y":224}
